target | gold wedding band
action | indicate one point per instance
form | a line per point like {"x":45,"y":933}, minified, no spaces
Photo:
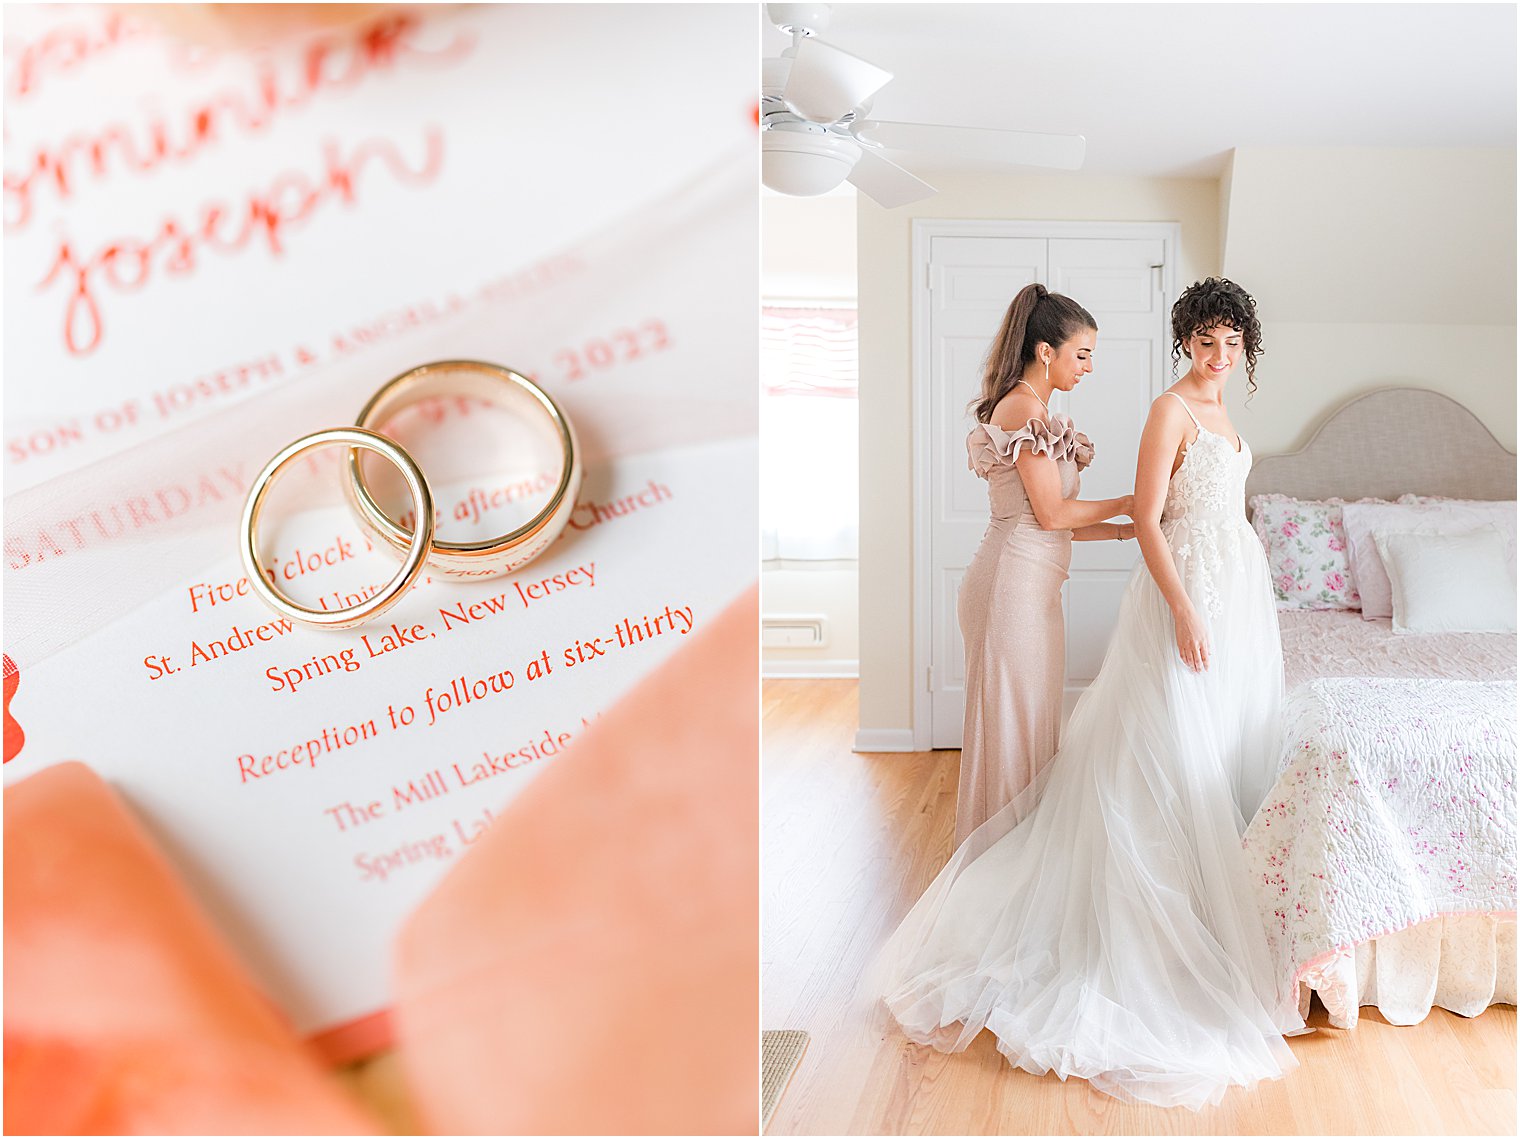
{"x":416,"y":547}
{"x":504,"y":387}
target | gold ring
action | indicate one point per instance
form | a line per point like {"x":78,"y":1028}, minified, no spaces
{"x":416,"y":552}
{"x":504,"y":553}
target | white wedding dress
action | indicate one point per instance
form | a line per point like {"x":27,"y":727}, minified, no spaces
{"x":1104,"y":925}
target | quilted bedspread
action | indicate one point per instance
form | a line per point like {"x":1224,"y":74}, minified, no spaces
{"x":1339,"y":642}
{"x":1395,"y":805}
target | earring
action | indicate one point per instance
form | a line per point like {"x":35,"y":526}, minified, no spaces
{"x":1047,"y":371}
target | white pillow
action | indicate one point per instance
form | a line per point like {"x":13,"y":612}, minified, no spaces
{"x":1361,"y":519}
{"x":1449,"y":583}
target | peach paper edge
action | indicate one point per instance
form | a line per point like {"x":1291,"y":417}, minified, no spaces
{"x":355,"y":1039}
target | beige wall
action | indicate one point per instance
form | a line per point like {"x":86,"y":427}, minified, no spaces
{"x":808,"y":247}
{"x":1372,"y":268}
{"x":832,"y":592}
{"x":886,"y":397}
{"x":1376,"y":235}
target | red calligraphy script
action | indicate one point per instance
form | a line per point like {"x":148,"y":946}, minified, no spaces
{"x":327,"y":64}
{"x":290,"y":198}
{"x":62,"y":49}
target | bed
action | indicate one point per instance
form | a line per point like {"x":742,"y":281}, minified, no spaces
{"x":1385,"y":853}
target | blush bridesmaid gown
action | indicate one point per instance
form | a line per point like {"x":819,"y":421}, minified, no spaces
{"x":1011,"y":622}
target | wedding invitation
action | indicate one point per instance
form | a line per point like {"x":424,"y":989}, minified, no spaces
{"x":238,"y":251}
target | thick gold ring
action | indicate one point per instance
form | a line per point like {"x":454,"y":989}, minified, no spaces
{"x":489,"y":557}
{"x":416,"y":551}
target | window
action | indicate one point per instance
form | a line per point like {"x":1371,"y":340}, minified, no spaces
{"x":809,"y":435}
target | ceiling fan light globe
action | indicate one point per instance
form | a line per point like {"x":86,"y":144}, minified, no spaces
{"x":789,"y":123}
{"x":805,"y":165}
{"x":809,"y":19}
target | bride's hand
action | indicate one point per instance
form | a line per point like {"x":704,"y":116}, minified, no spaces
{"x":1127,"y":507}
{"x":1192,"y":638}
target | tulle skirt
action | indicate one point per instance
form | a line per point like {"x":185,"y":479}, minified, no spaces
{"x":1104,"y":925}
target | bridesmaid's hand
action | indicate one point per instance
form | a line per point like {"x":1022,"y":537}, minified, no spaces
{"x":1127,"y":506}
{"x":1192,"y":638}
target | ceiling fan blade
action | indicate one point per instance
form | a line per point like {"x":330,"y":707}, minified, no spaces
{"x":886,"y":183}
{"x":827,"y":83}
{"x":1016,"y":148}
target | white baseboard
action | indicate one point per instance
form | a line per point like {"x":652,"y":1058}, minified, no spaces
{"x":884,"y":739}
{"x":809,"y":668}
{"x":1069,"y":697}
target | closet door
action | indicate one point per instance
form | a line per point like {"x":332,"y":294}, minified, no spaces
{"x":1118,"y":281}
{"x":971,"y":280}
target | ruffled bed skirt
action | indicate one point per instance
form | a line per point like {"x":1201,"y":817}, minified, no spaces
{"x":1462,"y":963}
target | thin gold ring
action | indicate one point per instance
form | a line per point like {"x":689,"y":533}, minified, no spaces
{"x":489,"y":557}
{"x":355,"y":438}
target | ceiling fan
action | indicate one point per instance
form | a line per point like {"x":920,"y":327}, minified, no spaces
{"x":816,"y":129}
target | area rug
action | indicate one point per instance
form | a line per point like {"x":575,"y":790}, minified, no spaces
{"x":780,"y":1053}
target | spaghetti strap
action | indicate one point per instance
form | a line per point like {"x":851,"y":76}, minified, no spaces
{"x":1186,"y":408}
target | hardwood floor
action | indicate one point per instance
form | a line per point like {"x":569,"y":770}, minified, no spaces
{"x":850,"y":841}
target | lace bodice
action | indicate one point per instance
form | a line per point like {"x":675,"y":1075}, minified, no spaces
{"x":1211,"y":483}
{"x":1204,"y":514}
{"x":1204,"y":517}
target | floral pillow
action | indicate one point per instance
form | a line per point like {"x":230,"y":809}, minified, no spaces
{"x":1306,"y":552}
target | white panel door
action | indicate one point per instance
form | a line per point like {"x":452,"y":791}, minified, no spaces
{"x":971,"y":281}
{"x":1119,"y":282}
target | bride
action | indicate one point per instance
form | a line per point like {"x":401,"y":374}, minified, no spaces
{"x":1103,"y":924}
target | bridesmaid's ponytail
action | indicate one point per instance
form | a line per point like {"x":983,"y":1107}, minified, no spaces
{"x":1035,"y":316}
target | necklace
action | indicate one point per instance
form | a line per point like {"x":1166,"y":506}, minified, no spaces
{"x":1030,"y":386}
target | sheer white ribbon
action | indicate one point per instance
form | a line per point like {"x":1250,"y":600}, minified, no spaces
{"x":86,"y":547}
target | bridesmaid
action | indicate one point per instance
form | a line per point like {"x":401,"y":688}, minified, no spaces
{"x":1010,"y":597}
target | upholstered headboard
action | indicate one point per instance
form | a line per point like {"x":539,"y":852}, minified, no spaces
{"x":1392,"y":442}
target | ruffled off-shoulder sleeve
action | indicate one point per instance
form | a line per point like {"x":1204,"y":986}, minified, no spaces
{"x":990,"y":446}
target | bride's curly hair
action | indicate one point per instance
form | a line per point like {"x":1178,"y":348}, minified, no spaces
{"x":1209,"y":303}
